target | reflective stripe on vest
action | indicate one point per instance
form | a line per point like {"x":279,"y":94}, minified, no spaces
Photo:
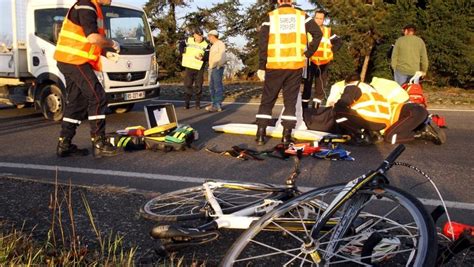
{"x":73,"y":46}
{"x":193,"y":49}
{"x":324,"y":53}
{"x":373,"y":107}
{"x":287,"y":39}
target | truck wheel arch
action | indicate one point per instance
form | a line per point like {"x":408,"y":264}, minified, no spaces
{"x":50,"y":82}
{"x":46,"y":79}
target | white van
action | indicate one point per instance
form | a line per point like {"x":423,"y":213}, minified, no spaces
{"x":28,"y":33}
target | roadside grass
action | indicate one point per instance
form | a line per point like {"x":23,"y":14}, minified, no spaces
{"x":64,"y":245}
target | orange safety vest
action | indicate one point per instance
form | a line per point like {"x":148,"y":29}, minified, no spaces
{"x":372,"y":106}
{"x":324,"y":53}
{"x":287,"y":39}
{"x":73,"y":46}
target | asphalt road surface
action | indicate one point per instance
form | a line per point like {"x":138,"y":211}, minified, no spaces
{"x":28,"y":144}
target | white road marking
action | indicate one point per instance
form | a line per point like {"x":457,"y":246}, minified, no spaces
{"x":258,"y":103}
{"x":197,"y":180}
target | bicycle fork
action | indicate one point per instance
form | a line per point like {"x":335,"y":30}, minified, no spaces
{"x":353,"y":205}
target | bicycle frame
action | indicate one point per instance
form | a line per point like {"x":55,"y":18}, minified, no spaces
{"x":240,"y":219}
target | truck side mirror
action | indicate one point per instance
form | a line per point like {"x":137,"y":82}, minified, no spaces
{"x":56,"y":29}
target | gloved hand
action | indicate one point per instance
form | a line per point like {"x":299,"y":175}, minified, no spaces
{"x":420,"y":73}
{"x":261,"y":75}
{"x":116,"y":46}
{"x":112,"y":56}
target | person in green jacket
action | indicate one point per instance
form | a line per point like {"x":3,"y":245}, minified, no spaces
{"x":409,"y":56}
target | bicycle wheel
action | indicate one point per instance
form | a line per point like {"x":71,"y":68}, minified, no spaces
{"x":190,"y":203}
{"x":391,"y":229}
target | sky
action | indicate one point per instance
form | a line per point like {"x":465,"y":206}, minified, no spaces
{"x":239,"y":41}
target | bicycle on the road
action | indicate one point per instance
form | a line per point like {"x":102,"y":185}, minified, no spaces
{"x":365,"y":221}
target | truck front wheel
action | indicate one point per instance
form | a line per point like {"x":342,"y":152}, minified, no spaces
{"x":52,"y":102}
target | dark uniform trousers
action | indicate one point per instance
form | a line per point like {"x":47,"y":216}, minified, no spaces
{"x":349,"y":120}
{"x":411,"y":117}
{"x":195,"y":77}
{"x":275,"y":80}
{"x":85,"y":99}
{"x":320,"y":76}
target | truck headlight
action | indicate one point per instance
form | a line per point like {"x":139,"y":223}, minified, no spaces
{"x":153,"y":71}
{"x":100,"y":77}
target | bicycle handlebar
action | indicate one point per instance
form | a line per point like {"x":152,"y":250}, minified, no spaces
{"x":388,"y":162}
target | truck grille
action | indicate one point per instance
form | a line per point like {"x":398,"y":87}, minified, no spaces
{"x":126,"y":76}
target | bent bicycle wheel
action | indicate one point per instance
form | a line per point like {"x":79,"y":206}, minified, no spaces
{"x":191,"y":203}
{"x":391,"y":229}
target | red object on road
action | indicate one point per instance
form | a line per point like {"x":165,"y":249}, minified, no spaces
{"x":136,"y":132}
{"x":307,"y":149}
{"x":440,"y":121}
{"x":457,"y":229}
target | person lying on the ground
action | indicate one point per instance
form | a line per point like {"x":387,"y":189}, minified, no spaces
{"x":363,"y":113}
{"x":389,"y":89}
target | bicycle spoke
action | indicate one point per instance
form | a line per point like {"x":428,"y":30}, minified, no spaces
{"x":366,"y":257}
{"x":288,"y":232}
{"x":277,"y":252}
{"x":293,"y":259}
{"x":304,"y":226}
{"x":182,"y":205}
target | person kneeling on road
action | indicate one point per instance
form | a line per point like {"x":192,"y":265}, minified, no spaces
{"x":363,"y":113}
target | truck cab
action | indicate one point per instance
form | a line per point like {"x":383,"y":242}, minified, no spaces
{"x":36,"y":24}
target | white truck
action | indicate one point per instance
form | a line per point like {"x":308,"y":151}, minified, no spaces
{"x":28,"y":34}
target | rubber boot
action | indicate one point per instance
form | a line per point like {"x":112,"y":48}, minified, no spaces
{"x":66,"y":149}
{"x":261,"y":135}
{"x":286,"y":138}
{"x":101,"y":147}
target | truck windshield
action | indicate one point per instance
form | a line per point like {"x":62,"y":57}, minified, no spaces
{"x":130,"y":28}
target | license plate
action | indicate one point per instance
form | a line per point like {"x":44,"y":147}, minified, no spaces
{"x":134,"y":95}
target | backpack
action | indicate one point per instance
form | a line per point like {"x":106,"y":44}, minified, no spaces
{"x":415,"y":92}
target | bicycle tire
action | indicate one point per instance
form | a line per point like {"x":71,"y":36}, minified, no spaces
{"x":258,"y":247}
{"x":190,"y":203}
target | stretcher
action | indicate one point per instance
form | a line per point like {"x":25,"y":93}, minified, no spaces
{"x":300,"y":132}
{"x":272,"y":131}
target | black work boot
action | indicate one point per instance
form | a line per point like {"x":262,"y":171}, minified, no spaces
{"x":186,"y":104}
{"x":261,"y":134}
{"x":286,"y":139}
{"x":431,"y":132}
{"x":66,"y":149}
{"x":101,"y":147}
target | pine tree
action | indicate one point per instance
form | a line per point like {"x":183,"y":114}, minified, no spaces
{"x":361,"y":23}
{"x":224,"y":17}
{"x":162,"y":14}
{"x":449,"y":38}
{"x":255,"y":15}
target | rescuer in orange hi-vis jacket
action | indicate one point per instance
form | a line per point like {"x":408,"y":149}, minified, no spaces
{"x":317,"y":69}
{"x":283,"y":51}
{"x":78,"y":52}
